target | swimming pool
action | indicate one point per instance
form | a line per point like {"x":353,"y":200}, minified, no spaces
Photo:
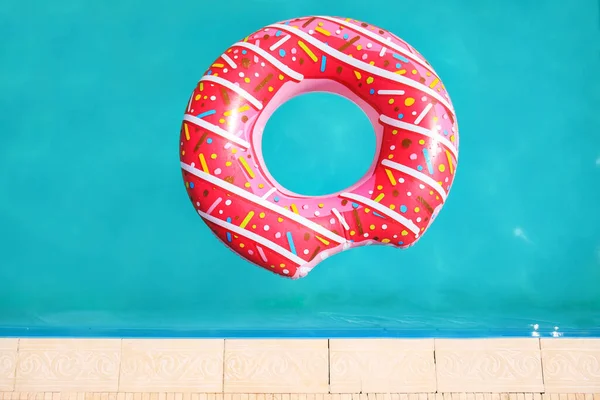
{"x":98,"y":237}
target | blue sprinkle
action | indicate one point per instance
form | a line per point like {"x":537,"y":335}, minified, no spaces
{"x":428,"y":161}
{"x":378,"y":215}
{"x":244,"y":51}
{"x":372,"y":91}
{"x":206,"y":113}
{"x":420,"y":167}
{"x":400,"y":116}
{"x":278,"y":33}
{"x":323,"y":63}
{"x":209,"y":140}
{"x":354,"y":205}
{"x":399,"y":57}
{"x":398,"y":65}
{"x":229,"y":233}
{"x":282,"y":52}
{"x":276,"y":199}
{"x":401,"y":243}
{"x":445,"y":132}
{"x":209,"y":72}
{"x":403,"y":208}
{"x":346,"y":36}
{"x":192,"y":185}
{"x":287,"y":23}
{"x":291,"y":243}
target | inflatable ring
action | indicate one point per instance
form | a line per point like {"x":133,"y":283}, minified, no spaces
{"x":287,"y":233}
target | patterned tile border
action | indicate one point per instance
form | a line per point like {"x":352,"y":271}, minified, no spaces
{"x":305,"y":369}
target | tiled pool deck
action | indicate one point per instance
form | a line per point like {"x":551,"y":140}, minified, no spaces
{"x":290,"y":369}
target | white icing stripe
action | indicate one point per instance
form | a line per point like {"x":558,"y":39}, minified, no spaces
{"x":253,"y":236}
{"x":420,"y":130}
{"x":391,"y":92}
{"x":383,"y":210}
{"x":381,"y":41}
{"x":229,"y":61}
{"x":278,"y":64}
{"x":417,"y":175}
{"x":234,"y":88}
{"x":266,"y":204}
{"x":270,"y":192}
{"x":340,"y":218}
{"x":216,"y":130}
{"x":362,"y":65}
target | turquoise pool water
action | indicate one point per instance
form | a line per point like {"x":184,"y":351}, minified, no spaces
{"x":97,"y":236}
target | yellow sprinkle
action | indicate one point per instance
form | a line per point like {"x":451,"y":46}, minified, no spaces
{"x":370,"y":80}
{"x":307,"y":50}
{"x":222,"y":120}
{"x":213,"y":156}
{"x":323,"y":31}
{"x":414,"y":71}
{"x":367,"y":210}
{"x":390,"y":177}
{"x":246,"y":38}
{"x":421,"y":142}
{"x":218,"y":65}
{"x":394,"y":132}
{"x":391,"y":101}
{"x":228,"y":163}
{"x":452,"y":138}
{"x":239,"y":110}
{"x":391,"y":156}
{"x":357,"y":74}
{"x":253,"y":226}
{"x":359,"y":47}
{"x":281,"y":77}
{"x":183,"y":152}
{"x":372,"y":227}
{"x":401,"y":72}
{"x":352,"y":233}
{"x":201,"y":87}
{"x":247,"y":80}
{"x":198,"y":97}
{"x":279,"y":219}
{"x":409,"y":101}
{"x":233,"y":150}
{"x":379,"y":187}
{"x":320,"y":24}
{"x":450,"y":162}
{"x":392,"y":206}
{"x":282,"y":265}
{"x":324,"y":241}
{"x":435,"y":82}
{"x":442,"y":167}
{"x":242,"y":245}
{"x":271,"y":88}
{"x":294,"y":208}
{"x":242,"y":161}
{"x":379,"y":197}
{"x":417,"y":209}
{"x":247,"y":219}
{"x":203,"y":163}
{"x":404,"y":233}
{"x":431,"y":192}
{"x":321,"y":205}
{"x":372,"y":63}
{"x":260,"y":185}
{"x":247,"y":184}
{"x":385,"y":240}
{"x":261,"y":215}
{"x":187,"y":131}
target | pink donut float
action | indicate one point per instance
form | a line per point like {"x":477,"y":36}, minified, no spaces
{"x":287,"y":233}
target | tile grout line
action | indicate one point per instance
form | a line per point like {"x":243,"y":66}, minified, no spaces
{"x":542,"y":366}
{"x":329,"y":365}
{"x":223,"y":371}
{"x":435,"y":365}
{"x":120,"y":365}
{"x":14,"y":386}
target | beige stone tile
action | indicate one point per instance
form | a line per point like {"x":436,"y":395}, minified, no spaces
{"x":163,"y":365}
{"x":488,"y":365}
{"x":571,"y":365}
{"x":68,"y":365}
{"x":8,"y":364}
{"x":276,"y":366}
{"x":381,"y":365}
